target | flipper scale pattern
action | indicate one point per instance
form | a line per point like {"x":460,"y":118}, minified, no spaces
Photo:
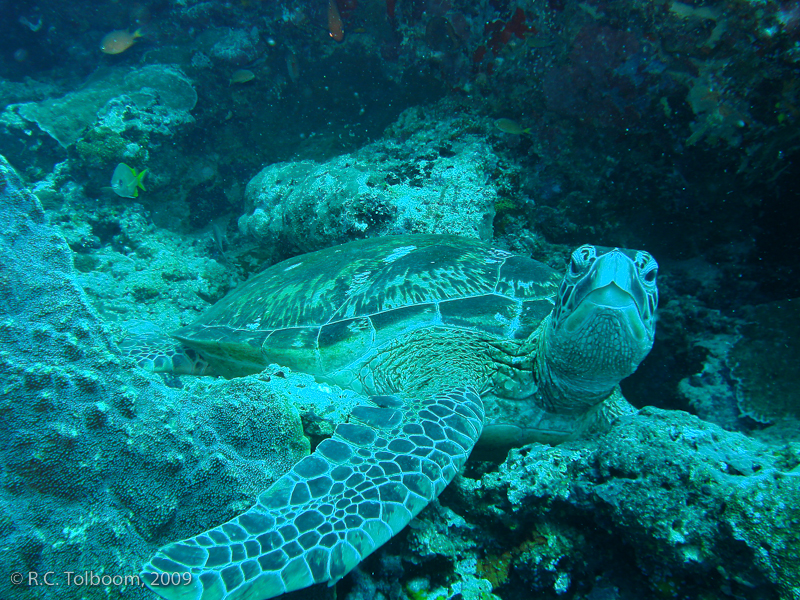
{"x":334,"y":508}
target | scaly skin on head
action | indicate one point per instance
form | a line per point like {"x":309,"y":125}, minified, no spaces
{"x":607,"y":294}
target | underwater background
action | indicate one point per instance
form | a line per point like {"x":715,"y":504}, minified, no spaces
{"x":157,"y":154}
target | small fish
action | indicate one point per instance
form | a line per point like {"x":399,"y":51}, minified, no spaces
{"x":118,"y":41}
{"x":242,"y":76}
{"x":126,"y":181}
{"x":292,"y":66}
{"x":335,"y":27}
{"x":512,"y":127}
{"x":220,"y":239}
{"x":537,"y":43}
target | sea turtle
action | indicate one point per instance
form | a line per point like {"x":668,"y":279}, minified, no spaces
{"x":449,"y":341}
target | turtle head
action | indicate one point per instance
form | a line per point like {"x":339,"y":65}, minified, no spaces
{"x":602,"y":326}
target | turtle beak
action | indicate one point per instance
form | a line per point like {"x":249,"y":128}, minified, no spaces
{"x":612,"y":290}
{"x":609,"y":300}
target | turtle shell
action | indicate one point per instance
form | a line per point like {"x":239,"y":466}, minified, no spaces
{"x":322,"y":311}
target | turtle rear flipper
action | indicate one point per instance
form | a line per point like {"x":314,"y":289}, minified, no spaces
{"x":156,"y":351}
{"x":334,"y":508}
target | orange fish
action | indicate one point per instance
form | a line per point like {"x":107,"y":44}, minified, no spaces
{"x":335,"y":21}
{"x":119,"y":41}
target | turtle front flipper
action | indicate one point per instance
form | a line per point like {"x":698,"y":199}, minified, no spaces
{"x":334,"y":508}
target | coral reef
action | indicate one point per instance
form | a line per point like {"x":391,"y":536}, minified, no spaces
{"x":421,"y":180}
{"x":663,"y":505}
{"x":765,"y":361}
{"x":754,"y":372}
{"x":234,"y":46}
{"x":67,"y":117}
{"x":100,"y":455}
{"x":670,"y":126}
{"x":120,"y":114}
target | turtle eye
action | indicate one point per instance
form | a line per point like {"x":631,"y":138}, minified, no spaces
{"x":580,"y":257}
{"x":650,"y":276}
